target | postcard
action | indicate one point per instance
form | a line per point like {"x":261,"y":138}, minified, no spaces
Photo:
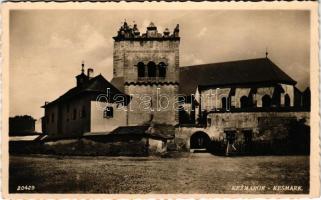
{"x":160,"y":100}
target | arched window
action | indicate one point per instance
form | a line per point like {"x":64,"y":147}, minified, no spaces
{"x":266,"y":101}
{"x":162,"y":69}
{"x":287,"y":100}
{"x":244,"y":102}
{"x":151,"y":69}
{"x":224,"y":103}
{"x":141,"y":69}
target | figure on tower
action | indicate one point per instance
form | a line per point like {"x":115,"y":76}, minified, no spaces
{"x":129,"y":32}
{"x":176,"y":31}
{"x":151,"y":31}
{"x":136,"y":31}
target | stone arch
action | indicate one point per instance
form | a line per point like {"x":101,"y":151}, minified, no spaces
{"x":287,"y":100}
{"x":151,"y":67}
{"x":162,"y":69}
{"x":244,"y":102}
{"x":141,"y":69}
{"x":266,"y":101}
{"x":199,"y":140}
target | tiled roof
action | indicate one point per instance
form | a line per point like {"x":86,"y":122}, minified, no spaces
{"x":96,"y":85}
{"x":119,"y":83}
{"x":261,"y":70}
{"x":125,"y":130}
{"x":161,"y":131}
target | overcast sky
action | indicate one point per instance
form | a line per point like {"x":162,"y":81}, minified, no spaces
{"x":47,"y":47}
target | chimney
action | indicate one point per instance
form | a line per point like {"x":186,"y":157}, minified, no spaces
{"x":90,"y":72}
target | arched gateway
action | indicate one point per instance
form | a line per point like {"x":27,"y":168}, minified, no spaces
{"x":199,"y":140}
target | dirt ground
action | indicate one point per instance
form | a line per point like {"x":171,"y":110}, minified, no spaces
{"x":191,"y":173}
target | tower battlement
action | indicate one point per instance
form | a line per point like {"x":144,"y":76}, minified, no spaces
{"x":131,"y":32}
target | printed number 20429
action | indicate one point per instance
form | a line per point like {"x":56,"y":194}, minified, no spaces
{"x":26,"y":187}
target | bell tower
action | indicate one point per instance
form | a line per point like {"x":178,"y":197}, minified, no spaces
{"x":148,"y":62}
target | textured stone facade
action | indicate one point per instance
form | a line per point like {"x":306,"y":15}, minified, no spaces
{"x":71,"y":118}
{"x":152,"y":103}
{"x":138,"y":59}
{"x":212,"y":99}
{"x":127,"y":54}
{"x":265,"y":126}
{"x":254,"y":121}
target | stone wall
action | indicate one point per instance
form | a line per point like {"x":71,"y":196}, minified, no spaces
{"x":128,"y":53}
{"x":183,"y":135}
{"x":264,"y":126}
{"x":258,"y":122}
{"x":81,"y":123}
{"x":51,"y":126}
{"x":71,"y":118}
{"x":152,"y":102}
{"x":100,"y":124}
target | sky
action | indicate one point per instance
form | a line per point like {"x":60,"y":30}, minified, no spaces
{"x":48,"y":46}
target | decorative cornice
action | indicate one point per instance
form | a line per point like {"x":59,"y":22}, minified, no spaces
{"x":146,"y":83}
{"x":117,"y":39}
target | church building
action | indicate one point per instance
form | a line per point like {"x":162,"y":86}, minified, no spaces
{"x":149,"y":87}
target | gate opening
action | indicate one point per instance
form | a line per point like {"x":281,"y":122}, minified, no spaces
{"x":199,"y":140}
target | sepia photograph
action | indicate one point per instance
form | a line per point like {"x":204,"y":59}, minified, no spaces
{"x":159,"y":100}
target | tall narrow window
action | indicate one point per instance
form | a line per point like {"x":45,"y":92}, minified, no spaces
{"x":52,"y":117}
{"x":266,"y":101}
{"x":83,"y":112}
{"x":162,"y":69}
{"x":244,"y":102}
{"x":224,"y":103}
{"x":287,"y":100}
{"x":68,"y":107}
{"x":151,"y":69}
{"x":74,"y":114}
{"x":141,"y":69}
{"x":108,"y":112}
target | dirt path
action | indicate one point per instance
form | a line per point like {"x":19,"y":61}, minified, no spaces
{"x":195,"y":173}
